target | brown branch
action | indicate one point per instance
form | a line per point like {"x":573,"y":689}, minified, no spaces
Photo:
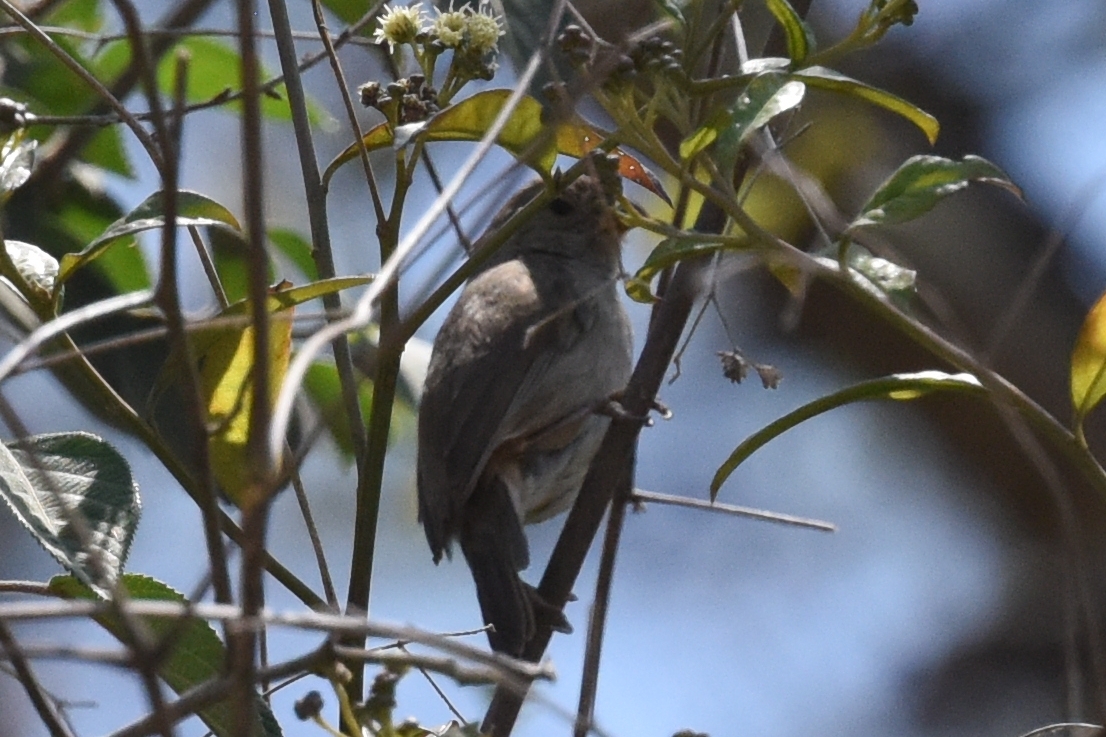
{"x":640,"y":495}
{"x":40,"y":699}
{"x":108,"y":97}
{"x":73,"y":142}
{"x":611,"y":471}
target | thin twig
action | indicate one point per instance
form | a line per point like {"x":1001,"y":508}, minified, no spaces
{"x":463,"y":674}
{"x":36,"y":588}
{"x":322,"y":251}
{"x":215,"y":690}
{"x":316,"y":542}
{"x":451,"y":213}
{"x":145,"y":662}
{"x":640,"y":495}
{"x":207,"y":263}
{"x":64,"y":323}
{"x":67,"y":145}
{"x":1071,"y":216}
{"x":194,"y":407}
{"x":174,"y":33}
{"x":313,"y":621}
{"x":157,"y":333}
{"x":263,"y":465}
{"x":324,"y":261}
{"x":143,"y":136}
{"x":593,"y":647}
{"x":619,"y":494}
{"x":40,"y":699}
{"x":438,"y":690}
{"x":616,"y":453}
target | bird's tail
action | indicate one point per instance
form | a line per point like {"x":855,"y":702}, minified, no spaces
{"x":496,"y":550}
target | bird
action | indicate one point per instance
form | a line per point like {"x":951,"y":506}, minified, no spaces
{"x":511,"y":416}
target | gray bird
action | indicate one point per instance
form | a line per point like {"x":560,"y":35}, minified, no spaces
{"x":535,"y":346}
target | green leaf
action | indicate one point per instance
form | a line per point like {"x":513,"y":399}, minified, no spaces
{"x":323,"y":388}
{"x":230,"y":254}
{"x":800,"y":39}
{"x":348,"y":11}
{"x":325,"y":391}
{"x":37,"y":77}
{"x":297,"y":249}
{"x":192,"y":209}
{"x":111,"y":60}
{"x":900,"y":387}
{"x":38,"y":268}
{"x":1088,"y":362}
{"x":828,"y":79}
{"x":124,"y":266}
{"x":215,"y":68}
{"x":761,"y":65}
{"x":897,"y":282}
{"x":672,"y":9}
{"x":752,"y":112}
{"x":767,"y":96}
{"x":75,"y":494}
{"x":81,"y":218}
{"x":197,"y":654}
{"x":667,"y":253}
{"x":888,"y":276}
{"x":706,"y":134}
{"x":286,"y":297}
{"x":17,"y":156}
{"x":106,"y":150}
{"x":378,"y":137}
{"x":226,"y":367}
{"x":921,"y":183}
{"x":470,"y":119}
{"x":83,"y":15}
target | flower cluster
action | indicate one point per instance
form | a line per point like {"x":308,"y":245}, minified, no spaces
{"x":477,"y":31}
{"x":471,"y":33}
{"x":404,"y":101}
{"x":400,"y":25}
{"x":613,"y":67}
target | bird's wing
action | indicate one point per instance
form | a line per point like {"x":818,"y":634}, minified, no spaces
{"x":483,"y":356}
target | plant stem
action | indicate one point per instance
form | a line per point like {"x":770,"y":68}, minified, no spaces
{"x":371,"y":471}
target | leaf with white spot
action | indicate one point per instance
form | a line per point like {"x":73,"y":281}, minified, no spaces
{"x":75,"y":494}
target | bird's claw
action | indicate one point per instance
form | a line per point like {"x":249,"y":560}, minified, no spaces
{"x":612,"y":407}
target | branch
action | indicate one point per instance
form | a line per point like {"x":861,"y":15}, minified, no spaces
{"x":44,"y":705}
{"x":611,"y":470}
{"x":640,"y":495}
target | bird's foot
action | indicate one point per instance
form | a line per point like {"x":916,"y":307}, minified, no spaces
{"x":613,"y":408}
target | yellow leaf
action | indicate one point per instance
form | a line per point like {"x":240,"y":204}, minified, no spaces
{"x":1088,"y":362}
{"x":226,"y":379}
{"x":469,"y":120}
{"x":224,"y":357}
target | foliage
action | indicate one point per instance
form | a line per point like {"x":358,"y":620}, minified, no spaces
{"x":708,"y":134}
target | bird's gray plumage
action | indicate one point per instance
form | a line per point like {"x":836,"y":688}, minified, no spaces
{"x":537,"y":341}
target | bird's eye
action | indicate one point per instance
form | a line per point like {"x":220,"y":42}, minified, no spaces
{"x":560,"y":206}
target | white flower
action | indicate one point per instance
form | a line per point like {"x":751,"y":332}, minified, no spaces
{"x":484,"y":28}
{"x":449,"y":27}
{"x":399,"y":25}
